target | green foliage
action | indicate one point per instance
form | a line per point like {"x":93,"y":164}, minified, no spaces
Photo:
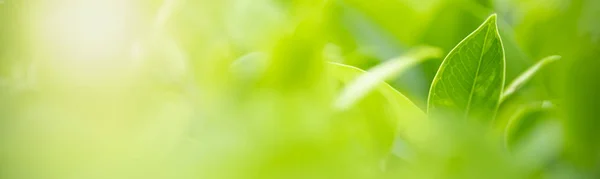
{"x":522,"y":79}
{"x":184,"y":89}
{"x":378,"y":74}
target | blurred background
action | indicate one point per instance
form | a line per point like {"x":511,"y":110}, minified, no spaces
{"x":244,"y":89}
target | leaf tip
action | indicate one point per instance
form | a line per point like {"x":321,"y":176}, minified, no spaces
{"x":492,"y":18}
{"x":553,"y":58}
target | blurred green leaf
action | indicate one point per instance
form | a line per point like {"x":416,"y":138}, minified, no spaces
{"x":524,"y":120}
{"x":520,"y":81}
{"x":390,"y":112}
{"x":367,"y":82}
{"x":540,"y":145}
{"x":470,"y":79}
{"x":347,"y":74}
{"x":274,"y":89}
{"x":582,"y":99}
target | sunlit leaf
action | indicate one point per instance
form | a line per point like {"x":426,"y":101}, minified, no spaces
{"x":346,"y":74}
{"x":470,"y":80}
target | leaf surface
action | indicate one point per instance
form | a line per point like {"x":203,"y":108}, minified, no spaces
{"x":469,"y":82}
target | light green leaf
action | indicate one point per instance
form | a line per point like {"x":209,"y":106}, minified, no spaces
{"x":377,"y":75}
{"x":469,"y":82}
{"x":385,"y":113}
{"x":526,"y":76}
{"x":523,"y":120}
{"x":347,"y":73}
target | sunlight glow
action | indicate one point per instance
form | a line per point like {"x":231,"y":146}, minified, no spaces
{"x":85,"y":36}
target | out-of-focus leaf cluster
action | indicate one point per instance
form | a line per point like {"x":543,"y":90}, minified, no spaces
{"x":295,"y":89}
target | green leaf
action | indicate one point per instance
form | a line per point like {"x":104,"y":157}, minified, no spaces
{"x":523,"y":120}
{"x":526,"y":76}
{"x":377,"y":75}
{"x":347,"y":74}
{"x":387,"y":109}
{"x":469,"y":82}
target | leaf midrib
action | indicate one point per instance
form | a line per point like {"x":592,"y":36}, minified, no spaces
{"x":468,"y":107}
